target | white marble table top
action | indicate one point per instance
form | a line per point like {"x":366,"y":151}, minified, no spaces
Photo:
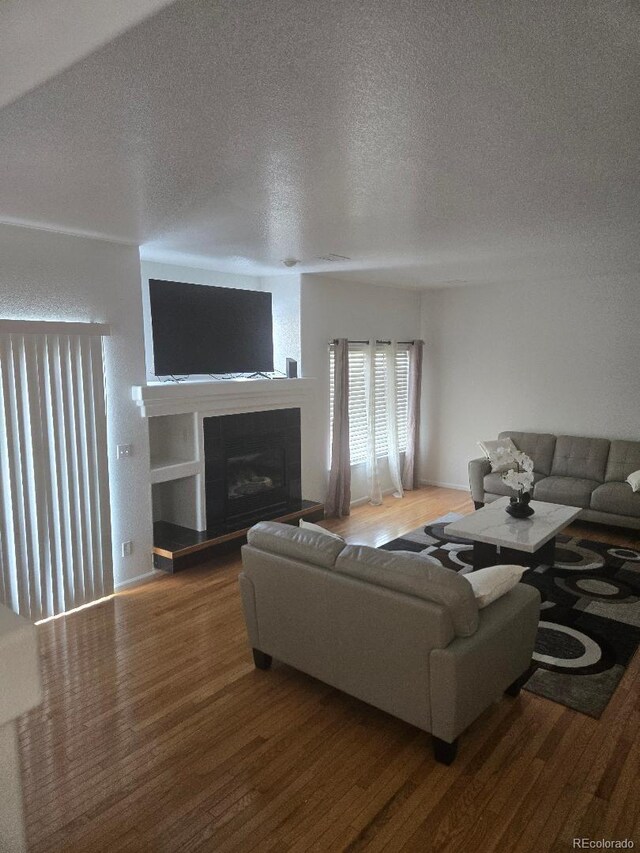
{"x":493,"y":525}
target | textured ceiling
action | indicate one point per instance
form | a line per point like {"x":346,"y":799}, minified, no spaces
{"x":39,"y":39}
{"x":430,"y":142}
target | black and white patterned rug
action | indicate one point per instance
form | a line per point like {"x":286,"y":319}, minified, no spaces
{"x":590,"y":617}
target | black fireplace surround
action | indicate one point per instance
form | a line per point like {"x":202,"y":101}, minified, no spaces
{"x":252,"y":467}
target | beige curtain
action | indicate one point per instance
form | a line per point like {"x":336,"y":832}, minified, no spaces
{"x":393,"y":446}
{"x":373,"y":476}
{"x":338,"y":500}
{"x":409,"y":471}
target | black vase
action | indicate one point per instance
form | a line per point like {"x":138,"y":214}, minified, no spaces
{"x":519,"y":507}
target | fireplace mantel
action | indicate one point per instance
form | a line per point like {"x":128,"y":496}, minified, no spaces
{"x":224,"y":397}
{"x":175,"y":413}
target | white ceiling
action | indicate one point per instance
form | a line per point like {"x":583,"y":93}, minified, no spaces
{"x":39,"y":39}
{"x":430,"y":142}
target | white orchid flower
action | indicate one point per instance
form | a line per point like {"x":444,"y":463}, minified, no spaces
{"x":520,"y":477}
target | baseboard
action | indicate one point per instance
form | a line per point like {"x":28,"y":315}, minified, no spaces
{"x":365,"y":500}
{"x":456,"y":486}
{"x":359,"y":502}
{"x":145,"y":578}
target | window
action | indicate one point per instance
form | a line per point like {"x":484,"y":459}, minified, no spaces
{"x":357,"y":402}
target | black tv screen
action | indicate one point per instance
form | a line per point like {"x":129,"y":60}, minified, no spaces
{"x":201,"y":329}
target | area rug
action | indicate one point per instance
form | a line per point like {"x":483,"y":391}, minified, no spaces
{"x":590,"y":616}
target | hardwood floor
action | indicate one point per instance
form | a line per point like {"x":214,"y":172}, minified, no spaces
{"x":157,"y":734}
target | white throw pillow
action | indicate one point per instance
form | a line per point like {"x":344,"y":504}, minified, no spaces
{"x":490,"y":450}
{"x":308,"y":525}
{"x":491,"y":583}
{"x":634,"y":481}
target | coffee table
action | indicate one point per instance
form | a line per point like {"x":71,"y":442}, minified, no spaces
{"x":499,"y":538}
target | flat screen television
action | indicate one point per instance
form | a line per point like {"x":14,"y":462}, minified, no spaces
{"x":198,"y":329}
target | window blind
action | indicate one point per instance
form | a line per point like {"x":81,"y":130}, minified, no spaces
{"x":357,"y":403}
{"x":55,"y":540}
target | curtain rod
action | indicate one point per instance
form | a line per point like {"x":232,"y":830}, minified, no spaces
{"x":335,"y":341}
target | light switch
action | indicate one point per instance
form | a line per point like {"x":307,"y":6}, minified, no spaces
{"x":123,"y":451}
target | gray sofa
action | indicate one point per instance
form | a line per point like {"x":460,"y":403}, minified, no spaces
{"x":585,"y":472}
{"x":394,"y":630}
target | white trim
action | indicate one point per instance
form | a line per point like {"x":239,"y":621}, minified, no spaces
{"x":67,"y":232}
{"x":365,"y":500}
{"x":359,"y":501}
{"x":223,"y":397}
{"x":46,"y":327}
{"x":390,"y":491}
{"x":442,"y":485}
{"x":140,"y":579}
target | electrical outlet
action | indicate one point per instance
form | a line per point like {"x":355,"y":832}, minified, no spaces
{"x":123,"y":451}
{"x":127,"y":549}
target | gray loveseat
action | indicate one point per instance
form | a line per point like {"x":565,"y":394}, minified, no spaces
{"x":585,"y":472}
{"x":394,"y":630}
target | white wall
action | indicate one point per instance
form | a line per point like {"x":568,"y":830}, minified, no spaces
{"x":285,"y":292}
{"x":551,"y":357}
{"x":39,"y":40}
{"x":50,"y":276}
{"x":336,"y":309}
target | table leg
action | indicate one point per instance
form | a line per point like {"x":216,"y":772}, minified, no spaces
{"x":484,"y":555}
{"x":546,"y":554}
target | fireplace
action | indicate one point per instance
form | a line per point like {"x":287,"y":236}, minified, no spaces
{"x":252,"y":467}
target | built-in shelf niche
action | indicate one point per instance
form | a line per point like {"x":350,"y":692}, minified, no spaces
{"x":173,"y":447}
{"x":176,"y":501}
{"x":175,"y":413}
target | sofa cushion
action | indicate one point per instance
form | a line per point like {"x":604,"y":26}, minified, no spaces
{"x":618,"y":498}
{"x":584,"y":458}
{"x":572,"y":491}
{"x":624,"y":459}
{"x":412,"y":574}
{"x":495,"y":485}
{"x":538,"y":446}
{"x":296,"y":543}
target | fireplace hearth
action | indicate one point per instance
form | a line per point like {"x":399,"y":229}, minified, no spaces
{"x":252,"y":467}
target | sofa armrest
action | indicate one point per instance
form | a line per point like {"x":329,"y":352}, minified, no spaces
{"x":472,"y":672}
{"x":478,"y":470}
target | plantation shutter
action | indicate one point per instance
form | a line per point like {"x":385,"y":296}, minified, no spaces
{"x":357,"y":401}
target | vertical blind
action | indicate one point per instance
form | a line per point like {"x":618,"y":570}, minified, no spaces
{"x":357,"y":400}
{"x":55,"y":540}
